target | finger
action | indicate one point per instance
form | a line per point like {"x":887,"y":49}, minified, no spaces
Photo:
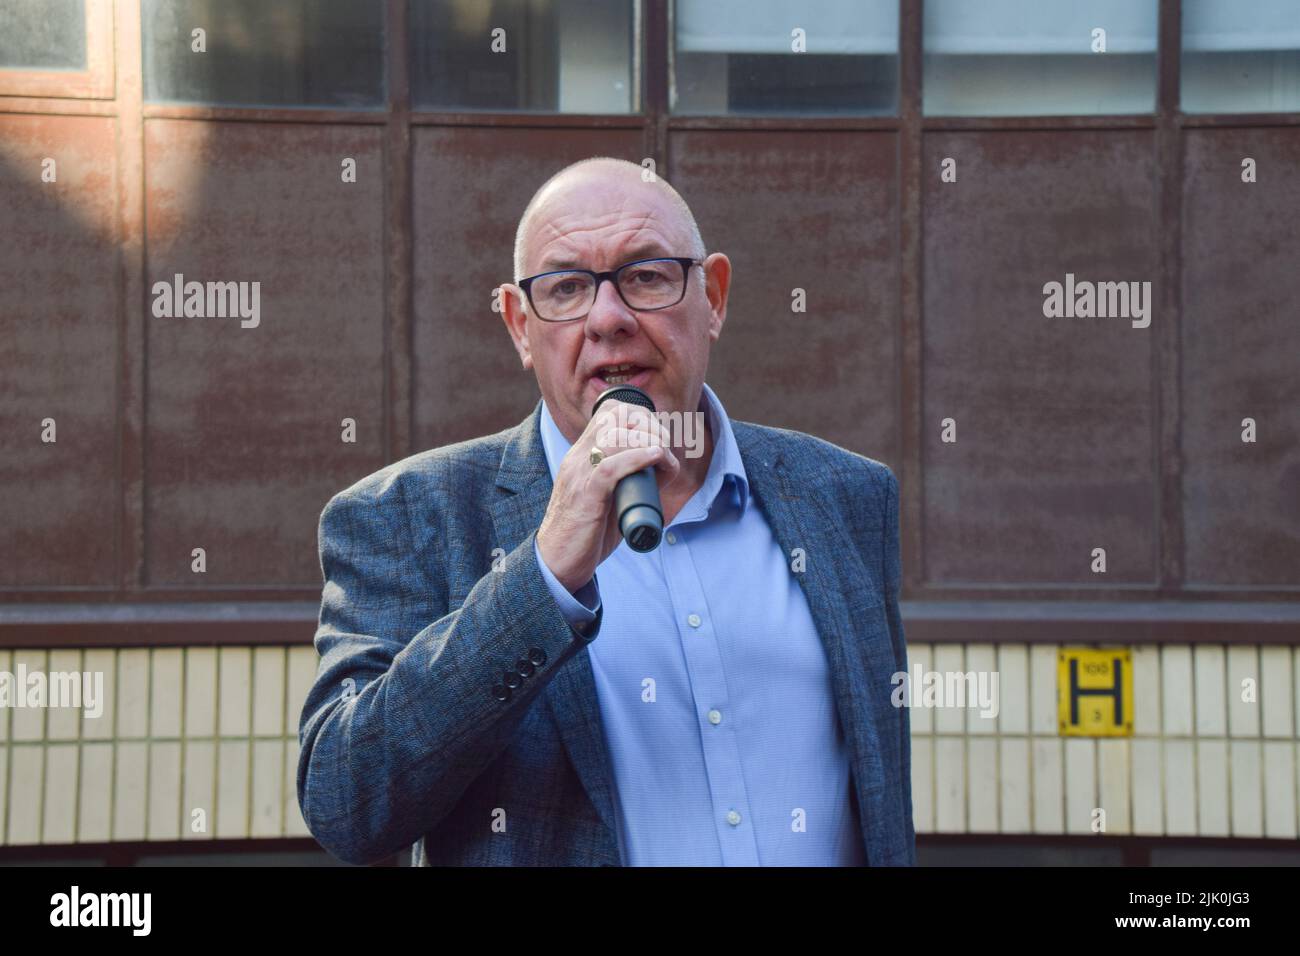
{"x":669,"y":464}
{"x":653,"y":424}
{"x":622,"y":438}
{"x":625,"y":462}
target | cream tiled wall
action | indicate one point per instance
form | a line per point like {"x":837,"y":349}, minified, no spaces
{"x":1201,"y":762}
{"x":217,"y":730}
{"x":182,"y":730}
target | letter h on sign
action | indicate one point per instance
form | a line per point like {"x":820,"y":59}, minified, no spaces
{"x":1115,"y":691}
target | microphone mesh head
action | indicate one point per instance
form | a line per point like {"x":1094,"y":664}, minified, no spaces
{"x":624,"y":393}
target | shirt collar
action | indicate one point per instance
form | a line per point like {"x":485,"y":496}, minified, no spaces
{"x":726,"y":470}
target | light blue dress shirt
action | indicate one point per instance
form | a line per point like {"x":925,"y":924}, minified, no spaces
{"x":714,"y":689}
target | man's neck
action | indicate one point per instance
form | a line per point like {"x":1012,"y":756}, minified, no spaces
{"x":694,"y":470}
{"x":674,"y":496}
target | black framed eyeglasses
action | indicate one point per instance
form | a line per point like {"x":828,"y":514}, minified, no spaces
{"x":645,"y":285}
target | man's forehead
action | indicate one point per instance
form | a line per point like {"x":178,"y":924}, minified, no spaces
{"x":569,"y":255}
{"x":590,"y":210}
{"x":635,"y":237}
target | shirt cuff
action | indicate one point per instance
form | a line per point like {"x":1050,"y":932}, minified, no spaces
{"x":580,"y":609}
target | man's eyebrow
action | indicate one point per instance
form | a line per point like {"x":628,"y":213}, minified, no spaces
{"x":644,"y":251}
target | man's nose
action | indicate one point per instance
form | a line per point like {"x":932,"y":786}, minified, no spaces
{"x":609,"y":314}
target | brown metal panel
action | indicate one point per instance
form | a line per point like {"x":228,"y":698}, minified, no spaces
{"x":818,"y":213}
{"x":1168,"y":354}
{"x":244,"y":424}
{"x":264,"y":114}
{"x":911,"y":424}
{"x":1241,"y":354}
{"x":58,"y":345}
{"x":1055,"y":452}
{"x":131,"y":312}
{"x":655,"y":59}
{"x":397,"y":212}
{"x":471,"y":186}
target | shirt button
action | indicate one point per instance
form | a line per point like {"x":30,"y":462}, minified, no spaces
{"x":715,"y":717}
{"x":694,"y":620}
{"x":672,"y":538}
{"x":733,"y":818}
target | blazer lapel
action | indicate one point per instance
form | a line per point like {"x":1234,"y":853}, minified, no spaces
{"x":571,"y":694}
{"x":798,"y":519}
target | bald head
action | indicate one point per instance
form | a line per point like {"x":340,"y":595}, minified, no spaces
{"x":607,"y":173}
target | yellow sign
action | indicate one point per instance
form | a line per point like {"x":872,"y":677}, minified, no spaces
{"x":1094,"y":692}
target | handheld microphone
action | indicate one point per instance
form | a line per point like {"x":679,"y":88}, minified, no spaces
{"x":636,"y":496}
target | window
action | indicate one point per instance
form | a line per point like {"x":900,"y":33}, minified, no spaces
{"x":561,"y":56}
{"x":56,"y":48}
{"x":1241,"y":56}
{"x":769,"y":56}
{"x":43,"y":34}
{"x":327,"y":53}
{"x":1039,"y":57}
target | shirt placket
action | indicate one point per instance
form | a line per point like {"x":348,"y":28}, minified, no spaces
{"x":701,"y":650}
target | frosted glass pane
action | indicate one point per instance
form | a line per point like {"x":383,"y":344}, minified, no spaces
{"x":1241,"y":56}
{"x":43,"y":34}
{"x":764,"y":26}
{"x":562,"y":56}
{"x":746,"y":57}
{"x":1039,"y":57}
{"x":286,"y":53}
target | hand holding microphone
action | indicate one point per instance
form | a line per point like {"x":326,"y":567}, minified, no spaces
{"x":581,"y":527}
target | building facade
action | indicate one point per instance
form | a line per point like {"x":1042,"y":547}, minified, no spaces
{"x":1039,"y":258}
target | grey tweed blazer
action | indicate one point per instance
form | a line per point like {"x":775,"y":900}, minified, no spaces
{"x":454,"y":708}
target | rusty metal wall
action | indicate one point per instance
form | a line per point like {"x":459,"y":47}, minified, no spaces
{"x":1241,"y":357}
{"x":924,"y":302}
{"x":59,"y":299}
{"x":244,"y":436}
{"x":1054,"y":417}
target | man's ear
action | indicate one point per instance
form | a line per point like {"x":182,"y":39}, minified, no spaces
{"x":511,"y":298}
{"x":717,"y":284}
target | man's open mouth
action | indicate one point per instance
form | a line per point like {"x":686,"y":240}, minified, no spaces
{"x":619,"y":374}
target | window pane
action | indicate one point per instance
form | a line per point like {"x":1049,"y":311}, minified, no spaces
{"x":554,"y":56}
{"x":1241,"y":56}
{"x":744,"y":56}
{"x":43,"y":34}
{"x":1039,"y":57}
{"x":286,"y":53}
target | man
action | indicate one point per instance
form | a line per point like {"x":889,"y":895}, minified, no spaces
{"x":503,"y":681}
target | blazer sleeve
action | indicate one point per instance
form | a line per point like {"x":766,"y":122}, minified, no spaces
{"x":891,"y":576}
{"x":405,"y":711}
